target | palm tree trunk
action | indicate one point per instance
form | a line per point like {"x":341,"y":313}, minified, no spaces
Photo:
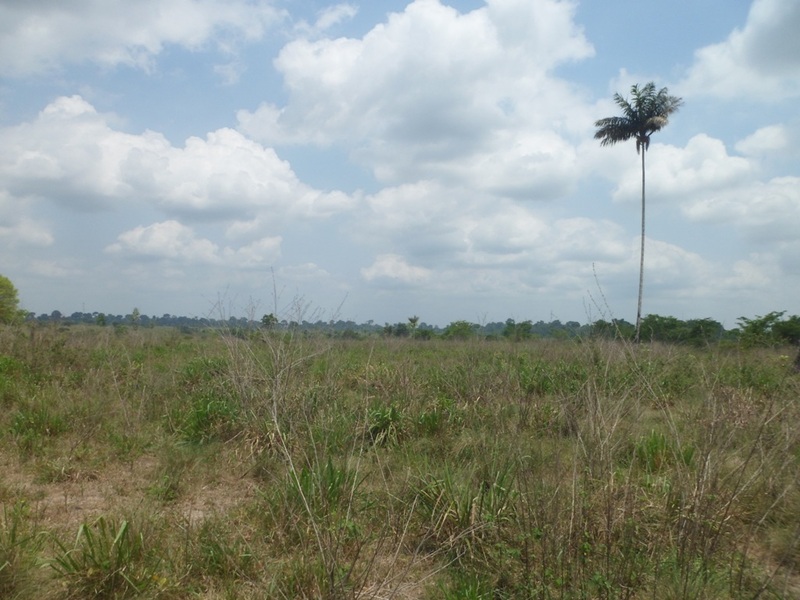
{"x":641,"y":262}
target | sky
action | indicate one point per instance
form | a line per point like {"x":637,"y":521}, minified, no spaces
{"x":380,"y":159}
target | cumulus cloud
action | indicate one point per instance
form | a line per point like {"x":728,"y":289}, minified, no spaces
{"x":760,"y":61}
{"x":327,"y":18}
{"x":73,"y":156}
{"x":175,"y":242}
{"x":702,"y":166}
{"x":765,"y":211}
{"x":467,"y":241}
{"x":17,"y":229}
{"x":170,"y":240}
{"x":766,"y":139}
{"x":395,"y":268}
{"x":39,"y":36}
{"x":437,"y":94}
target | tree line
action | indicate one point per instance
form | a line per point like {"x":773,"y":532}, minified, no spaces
{"x":772,"y":329}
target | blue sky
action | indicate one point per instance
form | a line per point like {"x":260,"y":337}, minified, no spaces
{"x":378,"y":160}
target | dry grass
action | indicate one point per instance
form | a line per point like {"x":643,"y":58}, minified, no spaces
{"x":158,"y":464}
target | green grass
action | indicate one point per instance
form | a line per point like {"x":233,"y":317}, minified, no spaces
{"x":152,"y":463}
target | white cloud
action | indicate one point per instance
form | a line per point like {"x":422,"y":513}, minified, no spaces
{"x":70,"y":154}
{"x":44,"y":35}
{"x":260,"y":253}
{"x":60,"y":269}
{"x":702,"y":166}
{"x":230,"y":72}
{"x":767,"y":139}
{"x":326,"y":19}
{"x":759,"y":62}
{"x":470,"y":242}
{"x":395,"y":268}
{"x":766,"y":211}
{"x":169,"y":240}
{"x":17,"y":229}
{"x":436,"y":94}
{"x":304,"y":273}
{"x":26,"y":231}
{"x":172,"y":241}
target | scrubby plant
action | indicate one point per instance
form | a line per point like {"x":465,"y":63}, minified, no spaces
{"x":106,"y":560}
{"x":19,"y":548}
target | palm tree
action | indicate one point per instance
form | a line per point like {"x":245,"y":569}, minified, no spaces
{"x":413,"y":321}
{"x":647,"y":112}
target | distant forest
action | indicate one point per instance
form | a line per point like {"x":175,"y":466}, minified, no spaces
{"x":768,"y":330}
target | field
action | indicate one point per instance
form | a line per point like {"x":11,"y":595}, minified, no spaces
{"x":155,"y":463}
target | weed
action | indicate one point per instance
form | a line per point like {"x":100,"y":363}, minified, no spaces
{"x":19,"y":547}
{"x":209,"y":416}
{"x":461,"y":513}
{"x":33,"y":423}
{"x":655,"y":452}
{"x":219,"y":552}
{"x":384,"y":425}
{"x":106,"y":561}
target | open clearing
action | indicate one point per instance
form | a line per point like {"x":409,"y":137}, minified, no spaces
{"x":154,"y":463}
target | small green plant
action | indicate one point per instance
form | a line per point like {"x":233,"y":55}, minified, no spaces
{"x":466,"y":587}
{"x":166,"y":489}
{"x":18,"y":549}
{"x":200,"y":371}
{"x":459,"y":512}
{"x":385,"y":425}
{"x":655,"y":452}
{"x":219,"y":552}
{"x":430,"y":422}
{"x":209,"y":416}
{"x":176,"y":461}
{"x":31,"y":425}
{"x":324,"y":489}
{"x":106,"y":561}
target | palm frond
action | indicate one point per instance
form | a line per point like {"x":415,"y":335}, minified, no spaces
{"x":614,"y":129}
{"x":646,"y":112}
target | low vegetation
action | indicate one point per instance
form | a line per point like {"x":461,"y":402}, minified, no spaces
{"x":274,"y":463}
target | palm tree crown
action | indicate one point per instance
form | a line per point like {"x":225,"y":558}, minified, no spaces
{"x":647,"y":112}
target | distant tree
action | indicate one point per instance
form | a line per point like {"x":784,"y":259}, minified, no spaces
{"x":509,"y":331}
{"x":460,"y":330}
{"x":135,"y":317}
{"x":517,"y":331}
{"x":614,"y":329}
{"x":100,"y":319}
{"x":9,"y":302}
{"x":788,"y":330}
{"x":401,"y":330}
{"x":413,"y":322}
{"x":269,"y":321}
{"x":759,"y":331}
{"x":647,"y":112}
{"x":424,"y":334}
{"x":661,"y":329}
{"x":704,"y":331}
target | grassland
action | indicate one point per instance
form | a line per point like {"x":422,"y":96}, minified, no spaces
{"x":150,"y":463}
